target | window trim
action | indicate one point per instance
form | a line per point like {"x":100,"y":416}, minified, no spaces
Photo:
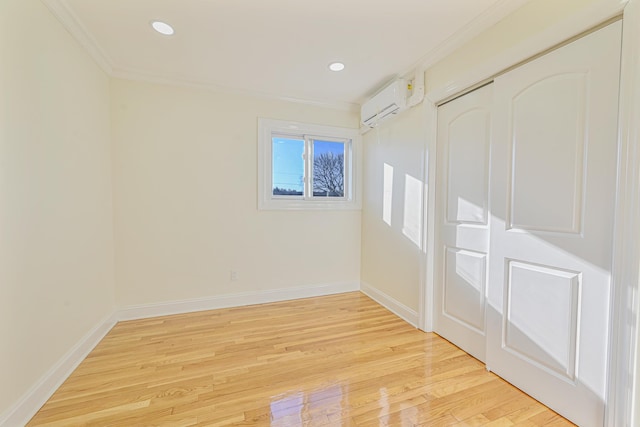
{"x":267,"y":128}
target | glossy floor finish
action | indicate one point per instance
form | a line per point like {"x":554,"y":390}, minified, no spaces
{"x":340,"y":360}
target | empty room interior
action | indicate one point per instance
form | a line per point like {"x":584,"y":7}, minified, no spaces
{"x":339,"y":212}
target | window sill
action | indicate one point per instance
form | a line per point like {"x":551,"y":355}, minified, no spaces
{"x":309,"y":205}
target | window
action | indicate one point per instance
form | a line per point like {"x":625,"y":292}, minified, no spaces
{"x":304,"y":166}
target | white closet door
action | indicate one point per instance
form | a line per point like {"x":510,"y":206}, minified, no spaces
{"x":462,"y":218}
{"x":553,"y":188}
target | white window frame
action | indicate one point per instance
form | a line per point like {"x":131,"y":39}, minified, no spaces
{"x":268,"y":128}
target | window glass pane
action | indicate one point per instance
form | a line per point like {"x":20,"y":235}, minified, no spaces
{"x":287,"y":166}
{"x":328,"y":168}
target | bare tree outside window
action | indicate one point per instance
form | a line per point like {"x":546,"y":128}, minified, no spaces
{"x":328,"y":175}
{"x":301,"y":169}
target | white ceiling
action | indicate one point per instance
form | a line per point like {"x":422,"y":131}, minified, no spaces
{"x":276,"y":48}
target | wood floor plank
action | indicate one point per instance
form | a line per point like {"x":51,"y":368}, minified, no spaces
{"x":340,"y":360}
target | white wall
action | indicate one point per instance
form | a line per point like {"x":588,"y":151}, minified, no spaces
{"x":185,"y":167}
{"x":184,"y":176}
{"x":390,"y":262}
{"x":391,"y":239}
{"x":510,"y":33}
{"x":56,"y":234}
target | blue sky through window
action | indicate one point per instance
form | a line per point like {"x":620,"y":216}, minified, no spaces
{"x":321,"y":147}
{"x":288,"y":164}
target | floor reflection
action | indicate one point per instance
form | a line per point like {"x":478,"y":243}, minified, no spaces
{"x":339,"y":360}
{"x":324,"y":406}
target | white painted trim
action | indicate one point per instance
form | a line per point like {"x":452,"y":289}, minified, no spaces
{"x":393,"y":305}
{"x":233,"y":300}
{"x":431,"y":117}
{"x":353,"y":170}
{"x":624,"y":385}
{"x":424,"y":269}
{"x":598,"y":12}
{"x":623,"y":352}
{"x":60,"y":9}
{"x":150,"y":78}
{"x":27,"y":406}
{"x":488,"y":18}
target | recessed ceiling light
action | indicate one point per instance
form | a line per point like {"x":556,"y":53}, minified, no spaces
{"x":336,"y":66}
{"x":162,"y":28}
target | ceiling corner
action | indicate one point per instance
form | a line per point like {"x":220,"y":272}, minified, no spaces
{"x":140,"y":76}
{"x":482,"y":22}
{"x":67,"y":18}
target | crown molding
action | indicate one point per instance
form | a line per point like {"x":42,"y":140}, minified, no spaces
{"x":61,"y":10}
{"x":140,"y":76}
{"x":482,"y":22}
{"x":597,"y":13}
{"x":72,"y":24}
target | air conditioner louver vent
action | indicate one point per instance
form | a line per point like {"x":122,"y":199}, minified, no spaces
{"x":389,"y":101}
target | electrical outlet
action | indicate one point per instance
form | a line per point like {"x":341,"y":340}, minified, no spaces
{"x":234,"y":275}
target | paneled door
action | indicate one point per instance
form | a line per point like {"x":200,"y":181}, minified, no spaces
{"x":462,"y":220}
{"x":553,"y":184}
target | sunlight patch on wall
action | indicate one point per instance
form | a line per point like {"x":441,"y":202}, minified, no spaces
{"x":412,"y":226}
{"x":387,"y":194}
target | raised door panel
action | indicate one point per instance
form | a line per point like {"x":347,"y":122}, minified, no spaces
{"x":462,"y":220}
{"x":553,"y":186}
{"x":467,"y":168}
{"x":541,"y":316}
{"x":464,"y":287}
{"x":547,"y":146}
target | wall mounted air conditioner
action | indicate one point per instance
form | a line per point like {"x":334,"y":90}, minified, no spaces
{"x":389,"y":101}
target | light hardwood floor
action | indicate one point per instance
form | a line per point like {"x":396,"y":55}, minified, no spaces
{"x":340,"y":360}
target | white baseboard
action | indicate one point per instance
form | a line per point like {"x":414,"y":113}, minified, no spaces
{"x":24,"y":409}
{"x":233,"y":300}
{"x":391,"y":304}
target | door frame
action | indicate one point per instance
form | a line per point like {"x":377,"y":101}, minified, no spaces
{"x":623,"y":391}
